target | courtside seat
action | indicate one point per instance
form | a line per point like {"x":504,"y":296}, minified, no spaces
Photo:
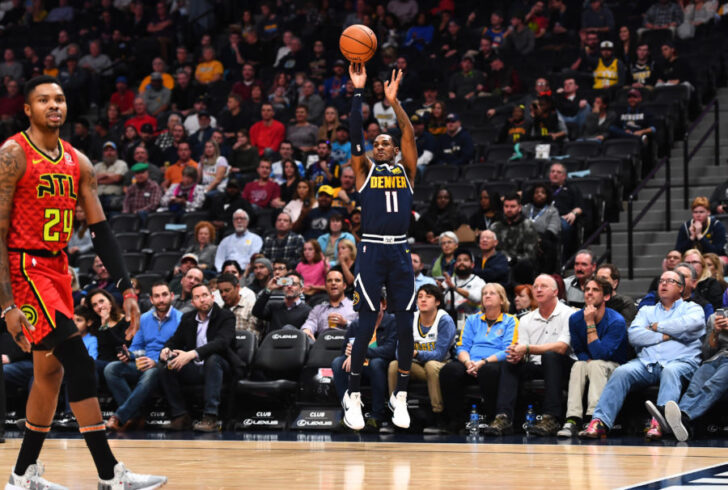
{"x":277,"y":365}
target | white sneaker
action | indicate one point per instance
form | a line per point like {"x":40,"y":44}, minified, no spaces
{"x":352,"y":404}
{"x":398,"y":406}
{"x":31,"y":480}
{"x":126,"y":480}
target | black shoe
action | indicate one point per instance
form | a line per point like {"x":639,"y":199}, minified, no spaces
{"x":439,"y":426}
{"x":2,"y":437}
{"x":658,"y":413}
{"x":371,"y":426}
{"x":500,"y":426}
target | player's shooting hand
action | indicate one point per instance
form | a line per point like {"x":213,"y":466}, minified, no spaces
{"x":391,"y":86}
{"x":358,"y":75}
{"x":131,"y":314}
{"x":16,"y":322}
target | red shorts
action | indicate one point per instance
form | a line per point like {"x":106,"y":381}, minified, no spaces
{"x":41,"y":288}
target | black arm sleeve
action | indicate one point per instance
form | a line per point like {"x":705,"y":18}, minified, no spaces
{"x":355,"y":124}
{"x":107,"y":248}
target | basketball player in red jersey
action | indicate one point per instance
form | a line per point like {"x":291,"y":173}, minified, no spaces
{"x":41,"y":178}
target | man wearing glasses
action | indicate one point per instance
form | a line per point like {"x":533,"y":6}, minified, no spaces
{"x":666,"y":337}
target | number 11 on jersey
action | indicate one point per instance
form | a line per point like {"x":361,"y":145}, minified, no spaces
{"x":390,"y":198}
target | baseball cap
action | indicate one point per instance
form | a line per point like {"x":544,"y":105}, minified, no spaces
{"x":326,"y":189}
{"x":139,"y":167}
{"x":606,"y":45}
{"x":462,"y":250}
{"x":339,"y":63}
{"x":189,"y":256}
{"x":452,"y":117}
{"x":111,"y":144}
{"x":343,"y":127}
{"x":634,"y":93}
{"x":121,"y":79}
{"x":416,"y":119}
{"x":147,"y":128}
{"x":156,"y":76}
{"x":203,"y":113}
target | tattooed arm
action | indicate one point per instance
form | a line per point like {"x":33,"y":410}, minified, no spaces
{"x":12,"y":168}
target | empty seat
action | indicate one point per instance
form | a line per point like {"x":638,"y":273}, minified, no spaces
{"x":130,"y":241}
{"x":191,"y":219}
{"x":162,"y":241}
{"x":163,"y":263}
{"x":481,"y":172}
{"x":605,"y":167}
{"x":124,"y":223}
{"x":327,"y":347}
{"x":135,"y":261}
{"x":423,"y":194}
{"x":502,"y":187}
{"x":146,"y":280}
{"x":499,"y":153}
{"x":157,"y":221}
{"x":85,"y":262}
{"x":462,"y":191}
{"x":278,"y":362}
{"x":437,"y":174}
{"x":427,"y":252}
{"x":621,"y":147}
{"x":582,"y":149}
{"x":264,"y":222}
{"x":520,"y":171}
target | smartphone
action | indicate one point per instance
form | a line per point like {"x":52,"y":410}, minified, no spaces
{"x":720,"y":312}
{"x":122,"y":349}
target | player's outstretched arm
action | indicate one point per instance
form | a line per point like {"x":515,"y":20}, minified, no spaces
{"x":359,"y":161}
{"x":12,"y":168}
{"x":105,"y":243}
{"x":407,"y":144}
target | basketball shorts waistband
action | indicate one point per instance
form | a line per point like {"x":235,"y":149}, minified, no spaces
{"x":385,"y":239}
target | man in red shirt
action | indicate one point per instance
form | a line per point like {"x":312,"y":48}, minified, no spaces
{"x":11,"y":104}
{"x":263,"y":190}
{"x":268,"y":133}
{"x":123,"y":97}
{"x":141,"y":117}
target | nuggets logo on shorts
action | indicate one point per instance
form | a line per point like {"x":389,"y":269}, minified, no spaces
{"x":355,"y":299}
{"x":30,"y":314}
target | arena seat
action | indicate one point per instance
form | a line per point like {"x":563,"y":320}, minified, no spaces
{"x":582,"y":149}
{"x":135,"y":262}
{"x":191,"y":219}
{"x":124,"y":223}
{"x":437,"y":174}
{"x":84,"y":263}
{"x":130,"y":241}
{"x":146,"y":280}
{"x":481,"y":172}
{"x":163,"y":263}
{"x":328,"y":346}
{"x":157,"y":221}
{"x":162,"y":241}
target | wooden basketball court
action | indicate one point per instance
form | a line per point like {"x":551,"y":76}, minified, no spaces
{"x":220,"y":464}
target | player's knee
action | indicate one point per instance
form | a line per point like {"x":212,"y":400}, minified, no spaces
{"x":80,"y":369}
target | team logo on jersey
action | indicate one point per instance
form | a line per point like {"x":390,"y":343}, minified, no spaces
{"x":30,"y":314}
{"x":355,"y":299}
{"x":397,"y":170}
{"x":499,"y":332}
{"x":37,"y":161}
{"x":69,"y":160}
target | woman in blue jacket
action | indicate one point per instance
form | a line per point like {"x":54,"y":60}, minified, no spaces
{"x":480,"y":350}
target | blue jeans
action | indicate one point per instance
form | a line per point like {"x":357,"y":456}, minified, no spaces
{"x":19,"y":373}
{"x":709,"y":384}
{"x":634,"y":375}
{"x":119,"y":377}
{"x":580,"y":116}
{"x":210,"y":373}
{"x":375,"y":372}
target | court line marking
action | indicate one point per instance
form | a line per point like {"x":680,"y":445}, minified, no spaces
{"x":648,"y":482}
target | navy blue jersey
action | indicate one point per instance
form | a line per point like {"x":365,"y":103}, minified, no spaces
{"x":386,"y":201}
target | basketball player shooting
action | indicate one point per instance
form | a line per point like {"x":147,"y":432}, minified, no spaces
{"x":41,"y":178}
{"x":383,"y":256}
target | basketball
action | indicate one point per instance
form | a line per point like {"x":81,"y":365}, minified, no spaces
{"x":358,"y":43}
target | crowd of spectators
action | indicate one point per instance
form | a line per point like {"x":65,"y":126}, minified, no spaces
{"x":242,"y":125}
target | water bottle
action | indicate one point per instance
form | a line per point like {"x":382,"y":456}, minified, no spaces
{"x":530,"y":419}
{"x":473,"y":425}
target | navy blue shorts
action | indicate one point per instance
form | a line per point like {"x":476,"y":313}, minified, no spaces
{"x":379,"y":264}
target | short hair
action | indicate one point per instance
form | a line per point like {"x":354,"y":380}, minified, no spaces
{"x":528,"y":289}
{"x":693,"y":272}
{"x":159,"y":283}
{"x":680,"y":276}
{"x":613,"y":271}
{"x":210,"y":227}
{"x":700,"y":201}
{"x":603,"y":284}
{"x":31,"y":84}
{"x":189,"y":172}
{"x":200,"y":284}
{"x":512,"y":196}
{"x":295,"y":274}
{"x":234,"y":263}
{"x":325,"y":142}
{"x":550,"y":278}
{"x":238,"y":211}
{"x":233,"y":95}
{"x":500,"y":290}
{"x":335,"y":270}
{"x":193,"y":268}
{"x":227,"y":277}
{"x":586,"y":251}
{"x":302,"y":106}
{"x":432,"y":290}
{"x":84,"y":312}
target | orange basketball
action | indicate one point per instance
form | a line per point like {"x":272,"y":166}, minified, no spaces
{"x":358,"y":43}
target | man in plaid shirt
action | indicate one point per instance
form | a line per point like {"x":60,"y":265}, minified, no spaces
{"x":663,"y":14}
{"x":283,"y":245}
{"x":143,"y":196}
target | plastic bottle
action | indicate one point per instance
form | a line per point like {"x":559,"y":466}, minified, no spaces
{"x":473,"y":425}
{"x":530,"y":419}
